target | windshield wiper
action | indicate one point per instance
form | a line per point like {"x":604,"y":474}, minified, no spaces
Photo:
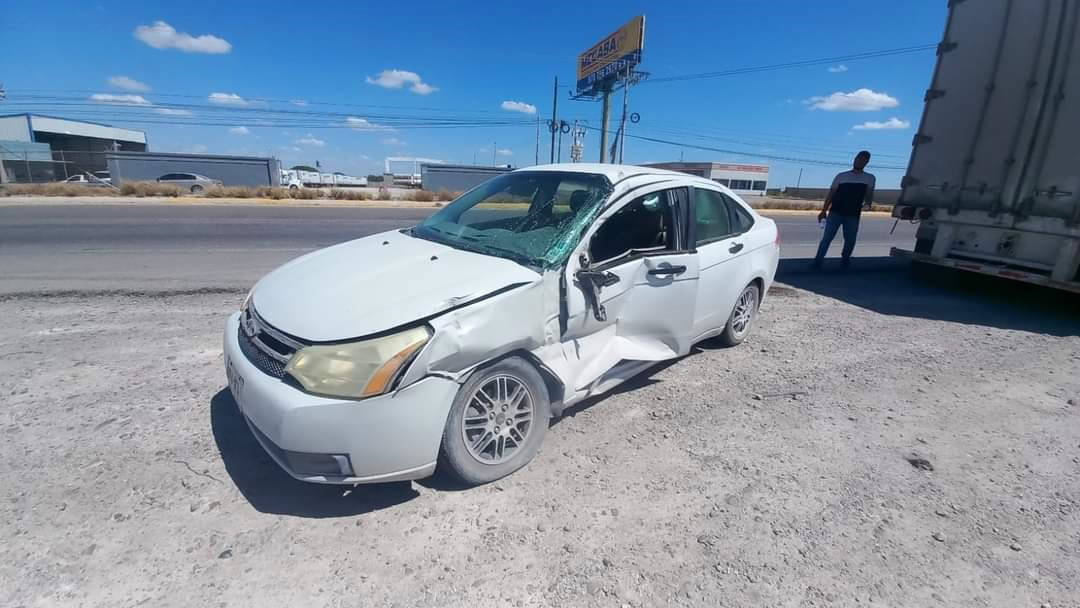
{"x":512,"y":255}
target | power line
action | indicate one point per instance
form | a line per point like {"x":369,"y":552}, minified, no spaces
{"x":794,"y":64}
{"x":792,"y":159}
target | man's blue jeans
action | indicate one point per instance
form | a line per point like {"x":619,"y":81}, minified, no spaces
{"x":850,"y":224}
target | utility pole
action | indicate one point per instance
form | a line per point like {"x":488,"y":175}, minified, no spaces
{"x":554,"y":113}
{"x":3,"y":174}
{"x":798,"y":183}
{"x":604,"y":123}
{"x":625,"y":103}
{"x":494,"y":150}
{"x":537,"y":161}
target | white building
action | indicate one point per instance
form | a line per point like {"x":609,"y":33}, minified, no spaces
{"x":744,"y":178}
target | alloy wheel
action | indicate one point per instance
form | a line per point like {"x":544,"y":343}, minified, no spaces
{"x":498,"y":419}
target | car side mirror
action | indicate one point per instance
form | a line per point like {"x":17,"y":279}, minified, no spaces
{"x":591,"y":281}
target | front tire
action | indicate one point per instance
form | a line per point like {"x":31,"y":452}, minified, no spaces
{"x":196,"y":189}
{"x":742,"y":316}
{"x":497,"y":422}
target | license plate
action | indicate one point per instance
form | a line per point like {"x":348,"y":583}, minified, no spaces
{"x":236,"y":382}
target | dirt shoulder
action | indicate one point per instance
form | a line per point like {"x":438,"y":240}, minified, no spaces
{"x":877,"y":441}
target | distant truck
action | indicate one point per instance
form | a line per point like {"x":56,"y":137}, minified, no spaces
{"x":994,"y":175}
{"x":292,"y":178}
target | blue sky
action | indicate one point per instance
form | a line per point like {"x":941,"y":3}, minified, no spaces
{"x":460,"y":62}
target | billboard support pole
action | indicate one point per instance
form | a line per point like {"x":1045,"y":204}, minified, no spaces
{"x":622,"y":124}
{"x":604,"y":124}
{"x":554,"y":108}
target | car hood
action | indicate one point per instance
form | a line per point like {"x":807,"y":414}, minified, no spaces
{"x":377,"y":283}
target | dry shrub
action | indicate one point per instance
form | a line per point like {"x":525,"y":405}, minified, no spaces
{"x":384,"y":193}
{"x":304,"y":194}
{"x":231,"y":192}
{"x":341,"y":194}
{"x":421,"y":196}
{"x":446,"y":195}
{"x":141,"y":189}
{"x":55,"y":190}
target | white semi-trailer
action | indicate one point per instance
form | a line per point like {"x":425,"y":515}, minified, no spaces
{"x":994,"y":176}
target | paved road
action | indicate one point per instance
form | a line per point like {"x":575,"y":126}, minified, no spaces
{"x":159,"y":247}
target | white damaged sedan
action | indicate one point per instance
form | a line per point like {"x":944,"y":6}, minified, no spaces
{"x":452,"y":343}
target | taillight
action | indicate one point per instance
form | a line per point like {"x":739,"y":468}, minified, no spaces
{"x":777,"y":241}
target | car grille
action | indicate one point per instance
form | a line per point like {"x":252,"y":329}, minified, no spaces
{"x":266,"y":342}
{"x":258,"y":358}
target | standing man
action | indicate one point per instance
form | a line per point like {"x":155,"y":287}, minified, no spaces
{"x":849,"y":193}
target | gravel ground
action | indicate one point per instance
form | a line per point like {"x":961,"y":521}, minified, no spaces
{"x":874,"y":443}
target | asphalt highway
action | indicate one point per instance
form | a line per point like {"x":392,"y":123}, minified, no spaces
{"x":49,"y":248}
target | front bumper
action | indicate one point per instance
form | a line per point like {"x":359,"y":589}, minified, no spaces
{"x":387,"y":438}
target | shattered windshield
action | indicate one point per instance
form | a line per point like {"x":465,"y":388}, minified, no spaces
{"x":534,"y":217}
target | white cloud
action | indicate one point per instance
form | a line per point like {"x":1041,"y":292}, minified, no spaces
{"x":837,"y":69}
{"x":892,"y":123}
{"x":299,"y":102}
{"x":504,"y":152}
{"x":859,"y":100}
{"x":423,"y":88}
{"x":173,"y":112}
{"x":393,"y":141}
{"x":290,"y":148}
{"x":128,"y":100}
{"x":161,"y":35}
{"x":196,"y":149}
{"x":396,"y":79}
{"x":310,"y":140}
{"x":228,"y":99}
{"x":519,"y":106}
{"x":128,"y":84}
{"x":239,"y":131}
{"x":363,"y":124}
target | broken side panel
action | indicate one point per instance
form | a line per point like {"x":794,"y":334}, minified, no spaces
{"x":524,"y":318}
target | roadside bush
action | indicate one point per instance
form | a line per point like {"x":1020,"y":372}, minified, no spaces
{"x":305,"y":194}
{"x":230,"y":192}
{"x":141,"y":189}
{"x":421,"y":196}
{"x":54,"y":190}
{"x":342,"y":194}
{"x":446,"y":195}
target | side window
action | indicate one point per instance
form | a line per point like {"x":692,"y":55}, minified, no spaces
{"x":759,"y":186}
{"x":168,"y":177}
{"x":644,"y":225}
{"x":741,"y":221}
{"x":711,"y":215}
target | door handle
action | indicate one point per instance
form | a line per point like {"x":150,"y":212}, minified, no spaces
{"x":736,"y":248}
{"x":667,"y":270}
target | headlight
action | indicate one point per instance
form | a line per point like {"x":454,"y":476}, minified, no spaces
{"x":359,"y":369}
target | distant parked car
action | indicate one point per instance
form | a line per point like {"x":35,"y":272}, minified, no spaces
{"x":97,"y":178}
{"x":190,"y":181}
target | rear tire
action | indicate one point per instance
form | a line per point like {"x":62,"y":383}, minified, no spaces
{"x":196,"y":189}
{"x":497,"y":422}
{"x":742,"y":316}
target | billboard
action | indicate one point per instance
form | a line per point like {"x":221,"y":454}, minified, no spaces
{"x":612,"y":55}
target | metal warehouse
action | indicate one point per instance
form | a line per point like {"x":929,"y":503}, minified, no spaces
{"x":231,"y":170}
{"x":456,"y":178}
{"x":46,"y":148}
{"x":744,"y":179}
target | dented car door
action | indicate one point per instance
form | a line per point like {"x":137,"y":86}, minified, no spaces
{"x":631,"y":286}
